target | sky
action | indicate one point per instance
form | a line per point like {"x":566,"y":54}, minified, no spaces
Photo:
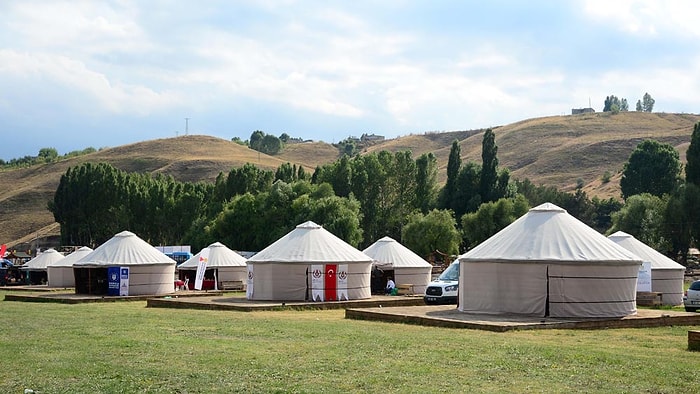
{"x":77,"y":74}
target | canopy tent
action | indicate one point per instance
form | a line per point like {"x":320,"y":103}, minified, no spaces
{"x":667,"y":276}
{"x":309,"y":263}
{"x":407,"y":267}
{"x":37,"y":266}
{"x":548,"y":263}
{"x":150,"y":272}
{"x":60,"y":273}
{"x":227,"y":264}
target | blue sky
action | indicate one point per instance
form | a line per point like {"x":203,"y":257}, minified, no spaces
{"x":77,"y":73}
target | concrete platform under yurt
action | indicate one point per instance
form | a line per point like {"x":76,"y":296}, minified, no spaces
{"x":449,"y":316}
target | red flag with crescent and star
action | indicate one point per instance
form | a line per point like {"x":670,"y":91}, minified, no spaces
{"x":330,"y":282}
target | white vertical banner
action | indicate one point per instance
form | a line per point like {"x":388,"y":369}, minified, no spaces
{"x":644,"y":277}
{"x":201,"y":268}
{"x":342,"y":284}
{"x":317,"y":273}
{"x":123,"y":281}
{"x":249,"y":287}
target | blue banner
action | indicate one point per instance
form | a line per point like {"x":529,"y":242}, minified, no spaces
{"x":113,"y":281}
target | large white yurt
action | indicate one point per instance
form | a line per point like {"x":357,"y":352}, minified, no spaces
{"x":309,"y":263}
{"x":61,"y":272}
{"x":222,"y":263}
{"x":36,"y":267}
{"x":125,"y":265}
{"x":667,"y":276}
{"x":406,"y":267}
{"x":548,"y":263}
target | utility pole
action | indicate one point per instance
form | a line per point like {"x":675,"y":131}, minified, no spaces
{"x":187,"y":125}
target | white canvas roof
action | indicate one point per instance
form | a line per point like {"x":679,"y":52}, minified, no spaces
{"x":645,"y":252}
{"x":310,"y":243}
{"x":388,"y":253}
{"x":548,"y":233}
{"x":125,"y":249}
{"x":219,"y":256}
{"x":44,"y":259}
{"x":72,"y":258}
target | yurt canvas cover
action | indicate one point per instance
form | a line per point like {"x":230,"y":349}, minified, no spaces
{"x":36,"y":267}
{"x":61,"y":272}
{"x":548,"y":263}
{"x":228,"y":264}
{"x":309,"y":263}
{"x":150,"y":271}
{"x":667,"y":276}
{"x":408,"y":267}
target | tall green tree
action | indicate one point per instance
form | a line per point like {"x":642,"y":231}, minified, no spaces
{"x":490,"y":218}
{"x":692,"y":155}
{"x":652,"y":168}
{"x":489,"y":167}
{"x":647,"y":103}
{"x":426,"y":182}
{"x":454,"y":163}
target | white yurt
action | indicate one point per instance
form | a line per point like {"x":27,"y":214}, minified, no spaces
{"x":61,"y":272}
{"x":667,"y":276}
{"x":127,"y":262}
{"x":406,"y":267}
{"x":548,"y":263}
{"x":222,"y":263}
{"x":36,"y":267}
{"x":309,"y":263}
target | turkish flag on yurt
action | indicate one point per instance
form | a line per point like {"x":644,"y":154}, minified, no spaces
{"x":330,"y":282}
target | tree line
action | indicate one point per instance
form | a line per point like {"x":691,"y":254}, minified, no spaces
{"x":365,"y":197}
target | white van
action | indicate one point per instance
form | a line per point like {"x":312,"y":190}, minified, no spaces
{"x":444,"y":289}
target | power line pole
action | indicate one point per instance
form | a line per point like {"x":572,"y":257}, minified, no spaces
{"x":187,"y":125}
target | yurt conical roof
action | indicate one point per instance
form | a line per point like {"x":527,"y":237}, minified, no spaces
{"x":43,"y":260}
{"x":389,"y":253}
{"x":127,"y":249}
{"x":219,"y":256}
{"x":72,"y":258}
{"x":644,"y":251}
{"x":310,"y":243}
{"x":547,"y":233}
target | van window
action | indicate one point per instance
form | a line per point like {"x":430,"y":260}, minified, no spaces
{"x":451,"y":273}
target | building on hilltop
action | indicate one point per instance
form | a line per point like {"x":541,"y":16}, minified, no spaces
{"x":578,"y":111}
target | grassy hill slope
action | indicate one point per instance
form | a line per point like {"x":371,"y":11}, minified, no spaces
{"x":557,"y":151}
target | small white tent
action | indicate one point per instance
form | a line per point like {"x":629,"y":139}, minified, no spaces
{"x":61,"y":272}
{"x":309,"y":263}
{"x":150,"y":272}
{"x":667,"y":276}
{"x":36,"y":267}
{"x":548,"y":263}
{"x":408,"y":267}
{"x":227,"y":264}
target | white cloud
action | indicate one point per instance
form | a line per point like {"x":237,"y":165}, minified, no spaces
{"x":648,"y":17}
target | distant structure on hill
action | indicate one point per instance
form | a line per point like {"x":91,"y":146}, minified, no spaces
{"x":371,"y":137}
{"x":577,"y":111}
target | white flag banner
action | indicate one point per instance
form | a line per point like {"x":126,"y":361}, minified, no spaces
{"x":249,"y":287}
{"x":644,"y":277}
{"x":342,"y":286}
{"x":124,"y":281}
{"x":201,"y":268}
{"x":317,"y":273}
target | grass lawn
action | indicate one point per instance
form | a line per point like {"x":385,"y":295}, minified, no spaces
{"x":125,"y":347}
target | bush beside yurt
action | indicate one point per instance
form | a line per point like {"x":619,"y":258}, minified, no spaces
{"x":548,"y":263}
{"x":309,"y":263}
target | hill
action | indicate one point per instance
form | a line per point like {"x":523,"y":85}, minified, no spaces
{"x":557,"y":151}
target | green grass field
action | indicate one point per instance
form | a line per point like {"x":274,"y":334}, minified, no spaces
{"x":125,"y":347}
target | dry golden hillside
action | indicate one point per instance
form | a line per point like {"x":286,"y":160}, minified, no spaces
{"x":555,"y":151}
